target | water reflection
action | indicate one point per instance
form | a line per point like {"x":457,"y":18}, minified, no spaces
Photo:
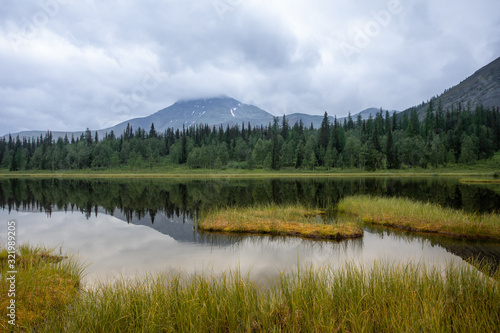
{"x":113,"y":248}
{"x":145,"y":198}
{"x":482,"y":253}
{"x":128,"y":226}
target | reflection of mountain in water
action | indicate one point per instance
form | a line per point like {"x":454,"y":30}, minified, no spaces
{"x":180,"y":227}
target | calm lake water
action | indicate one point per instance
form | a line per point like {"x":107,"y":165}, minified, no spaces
{"x":129,"y":227}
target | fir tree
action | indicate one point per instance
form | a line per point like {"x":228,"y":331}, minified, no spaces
{"x":152,"y":131}
{"x":324,"y":131}
{"x":275,"y":156}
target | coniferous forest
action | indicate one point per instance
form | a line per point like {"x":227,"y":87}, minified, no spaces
{"x":441,"y":138}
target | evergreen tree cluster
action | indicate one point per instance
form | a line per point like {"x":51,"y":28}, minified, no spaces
{"x":457,"y":135}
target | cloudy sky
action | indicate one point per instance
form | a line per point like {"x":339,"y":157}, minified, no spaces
{"x":69,"y":65}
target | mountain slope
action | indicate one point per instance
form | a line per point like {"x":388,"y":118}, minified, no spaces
{"x":482,"y":87}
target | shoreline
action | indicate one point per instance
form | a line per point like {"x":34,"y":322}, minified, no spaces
{"x":243,"y":174}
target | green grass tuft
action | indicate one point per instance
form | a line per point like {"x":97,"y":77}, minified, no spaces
{"x":44,"y":284}
{"x":276,"y":220}
{"x":422,"y":217}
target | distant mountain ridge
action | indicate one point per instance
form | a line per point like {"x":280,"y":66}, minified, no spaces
{"x":214,"y":111}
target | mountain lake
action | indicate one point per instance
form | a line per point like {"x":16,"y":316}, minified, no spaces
{"x":130,"y":227}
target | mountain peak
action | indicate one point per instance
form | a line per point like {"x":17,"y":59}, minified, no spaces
{"x":218,"y":110}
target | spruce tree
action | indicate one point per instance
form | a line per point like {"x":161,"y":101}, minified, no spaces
{"x":284,"y":128}
{"x":275,"y":156}
{"x":299,"y":154}
{"x":324,"y":131}
{"x":350,"y":122}
{"x":152,"y":131}
{"x":184,"y":154}
{"x":390,"y":153}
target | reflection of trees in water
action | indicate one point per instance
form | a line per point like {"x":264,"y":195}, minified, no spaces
{"x":218,"y":240}
{"x":146,"y":198}
{"x":477,"y":252}
{"x":236,"y":241}
{"x":148,"y":202}
{"x":482,"y":254}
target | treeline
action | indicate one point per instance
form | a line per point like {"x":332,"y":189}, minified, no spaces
{"x":457,"y":135}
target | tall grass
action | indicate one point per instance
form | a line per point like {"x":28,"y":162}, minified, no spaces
{"x":276,"y":220}
{"x":386,"y":298}
{"x":422,"y":217}
{"x":45,"y":284}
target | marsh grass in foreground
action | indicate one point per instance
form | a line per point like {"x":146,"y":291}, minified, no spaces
{"x":385,"y":298}
{"x":44,"y":284}
{"x":422,"y":217}
{"x":276,"y":220}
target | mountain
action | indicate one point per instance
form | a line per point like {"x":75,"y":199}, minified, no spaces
{"x":219,"y":111}
{"x":482,"y":87}
{"x":212,"y":111}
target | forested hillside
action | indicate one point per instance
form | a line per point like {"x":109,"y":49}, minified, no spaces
{"x":444,"y":137}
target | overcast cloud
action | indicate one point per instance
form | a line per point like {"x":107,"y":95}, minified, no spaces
{"x":69,"y":65}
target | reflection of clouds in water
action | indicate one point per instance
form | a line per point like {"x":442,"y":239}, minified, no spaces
{"x":392,"y":248}
{"x":115,"y":248}
{"x":109,"y":245}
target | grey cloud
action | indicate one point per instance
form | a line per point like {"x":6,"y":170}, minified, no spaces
{"x":282,"y":56}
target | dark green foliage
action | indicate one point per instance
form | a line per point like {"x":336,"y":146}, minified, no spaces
{"x":284,"y":128}
{"x":446,"y":136}
{"x":275,"y":157}
{"x":392,"y":162}
{"x":324,"y":131}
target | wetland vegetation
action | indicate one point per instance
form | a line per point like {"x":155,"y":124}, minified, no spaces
{"x":277,"y":220}
{"x":385,"y":297}
{"x":45,"y":284}
{"x":422,"y":216}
